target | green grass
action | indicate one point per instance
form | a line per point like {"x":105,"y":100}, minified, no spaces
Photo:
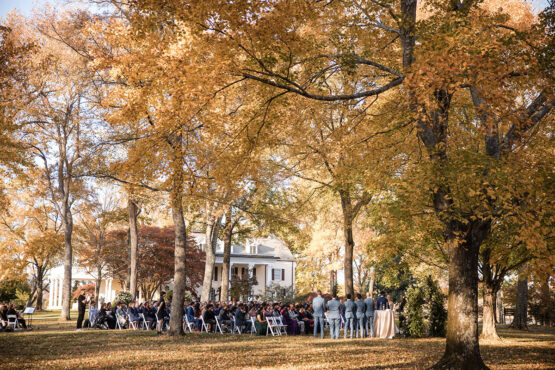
{"x":58,"y":345}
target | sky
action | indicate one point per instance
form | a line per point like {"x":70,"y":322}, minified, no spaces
{"x":25,"y":6}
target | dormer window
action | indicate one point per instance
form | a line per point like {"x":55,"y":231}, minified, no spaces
{"x":253,"y":249}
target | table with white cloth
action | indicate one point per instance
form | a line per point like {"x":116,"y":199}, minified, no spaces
{"x":384,"y":324}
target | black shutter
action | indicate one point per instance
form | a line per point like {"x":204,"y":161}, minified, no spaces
{"x":282,"y":274}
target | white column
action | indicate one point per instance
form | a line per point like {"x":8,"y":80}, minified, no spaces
{"x":269,"y":275}
{"x":59,"y":292}
{"x":110,"y":290}
{"x":50,"y":299}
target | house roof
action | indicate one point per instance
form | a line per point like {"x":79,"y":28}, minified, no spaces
{"x":270,"y":247}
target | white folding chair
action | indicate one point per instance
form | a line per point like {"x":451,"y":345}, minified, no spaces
{"x":204,"y":326}
{"x":236,"y":327}
{"x":118,"y":319}
{"x":133,"y":324}
{"x":143,"y":322}
{"x":273,"y":325}
{"x":282,"y":327}
{"x":13,"y":322}
{"x":218,"y":326}
{"x":253,"y":328}
{"x":187,"y":325}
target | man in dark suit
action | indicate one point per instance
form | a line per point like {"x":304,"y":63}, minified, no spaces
{"x":381,"y":302}
{"x":240,"y":317}
{"x":81,"y":305}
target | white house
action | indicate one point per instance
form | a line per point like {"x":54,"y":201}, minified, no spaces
{"x":269,"y":259}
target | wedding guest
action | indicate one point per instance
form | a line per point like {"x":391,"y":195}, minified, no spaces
{"x":81,"y":305}
{"x":381,"y":302}
{"x":360,"y":316}
{"x":349,"y":315}
{"x":292,"y":325}
{"x":390,"y":304}
{"x":209,"y":317}
{"x":319,"y":307}
{"x":161,"y":313}
{"x":334,"y":317}
{"x":260,"y":324}
{"x":93,"y":312}
{"x":20,"y":319}
{"x":369,"y":313}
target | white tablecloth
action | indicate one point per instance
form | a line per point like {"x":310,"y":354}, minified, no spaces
{"x":384,"y":324}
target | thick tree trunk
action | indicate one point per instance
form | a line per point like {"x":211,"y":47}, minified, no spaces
{"x":499,"y":308}
{"x":347,"y":208}
{"x":462,"y":350}
{"x":212,"y":229}
{"x":179,"y":279}
{"x":332,"y":280}
{"x":488,"y":319}
{"x":546,"y":302}
{"x":520,"y":320}
{"x":68,"y":262}
{"x":133,"y":246}
{"x":40,"y":287}
{"x":228,"y":234}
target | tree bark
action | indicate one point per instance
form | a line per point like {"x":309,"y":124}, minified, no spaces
{"x":179,"y":279}
{"x":133,"y":246}
{"x":349,"y":243}
{"x":228,"y":234}
{"x":546,"y":302}
{"x":97,"y":284}
{"x":68,"y":258}
{"x":462,"y":350}
{"x":520,"y":320}
{"x":212,"y":229}
{"x":488,"y":318}
{"x":40,"y":287}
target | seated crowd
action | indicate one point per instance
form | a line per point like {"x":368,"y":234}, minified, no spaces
{"x":244,"y":317}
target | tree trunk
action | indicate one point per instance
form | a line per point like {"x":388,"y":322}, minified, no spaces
{"x":488,"y":319}
{"x":68,"y":261}
{"x":462,"y":350}
{"x":499,"y":308}
{"x":546,"y":302}
{"x":371,"y":285}
{"x":133,"y":246}
{"x":212,"y":229}
{"x":40,"y":287}
{"x":332,"y":281}
{"x":179,"y":279}
{"x":228,"y":233}
{"x":520,"y":320}
{"x":349,"y":243}
{"x":97,"y":284}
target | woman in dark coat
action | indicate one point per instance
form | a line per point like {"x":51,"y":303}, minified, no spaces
{"x":292,"y":325}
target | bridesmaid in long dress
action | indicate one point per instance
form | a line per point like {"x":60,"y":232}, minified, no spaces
{"x":260,"y":324}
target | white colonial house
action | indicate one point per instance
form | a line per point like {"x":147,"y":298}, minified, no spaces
{"x":268,"y":259}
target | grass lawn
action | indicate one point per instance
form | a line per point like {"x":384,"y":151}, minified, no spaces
{"x":57,"y":345}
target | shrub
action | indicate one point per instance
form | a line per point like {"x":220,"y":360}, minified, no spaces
{"x":438,"y":313}
{"x":414,"y":311}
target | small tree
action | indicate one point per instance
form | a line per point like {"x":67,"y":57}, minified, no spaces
{"x":415,"y":315}
{"x":276,"y":292}
{"x":241,"y":286}
{"x":438,"y":313}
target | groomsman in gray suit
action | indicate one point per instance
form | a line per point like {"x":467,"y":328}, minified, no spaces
{"x":361,"y":308}
{"x":319,"y":307}
{"x":369,"y":315}
{"x":349,"y":315}
{"x":334,"y":317}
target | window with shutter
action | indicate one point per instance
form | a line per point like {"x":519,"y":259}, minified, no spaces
{"x":215,"y":273}
{"x":282,"y":274}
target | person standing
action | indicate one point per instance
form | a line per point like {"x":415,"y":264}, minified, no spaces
{"x":334,"y":317}
{"x":161,"y":313}
{"x":81,"y":305}
{"x":319,"y":307}
{"x":381,"y":302}
{"x":369,"y":313}
{"x":349,"y":315}
{"x":360,"y":309}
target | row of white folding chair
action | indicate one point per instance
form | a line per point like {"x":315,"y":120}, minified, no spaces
{"x":236,"y":327}
{"x":276,"y":326}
